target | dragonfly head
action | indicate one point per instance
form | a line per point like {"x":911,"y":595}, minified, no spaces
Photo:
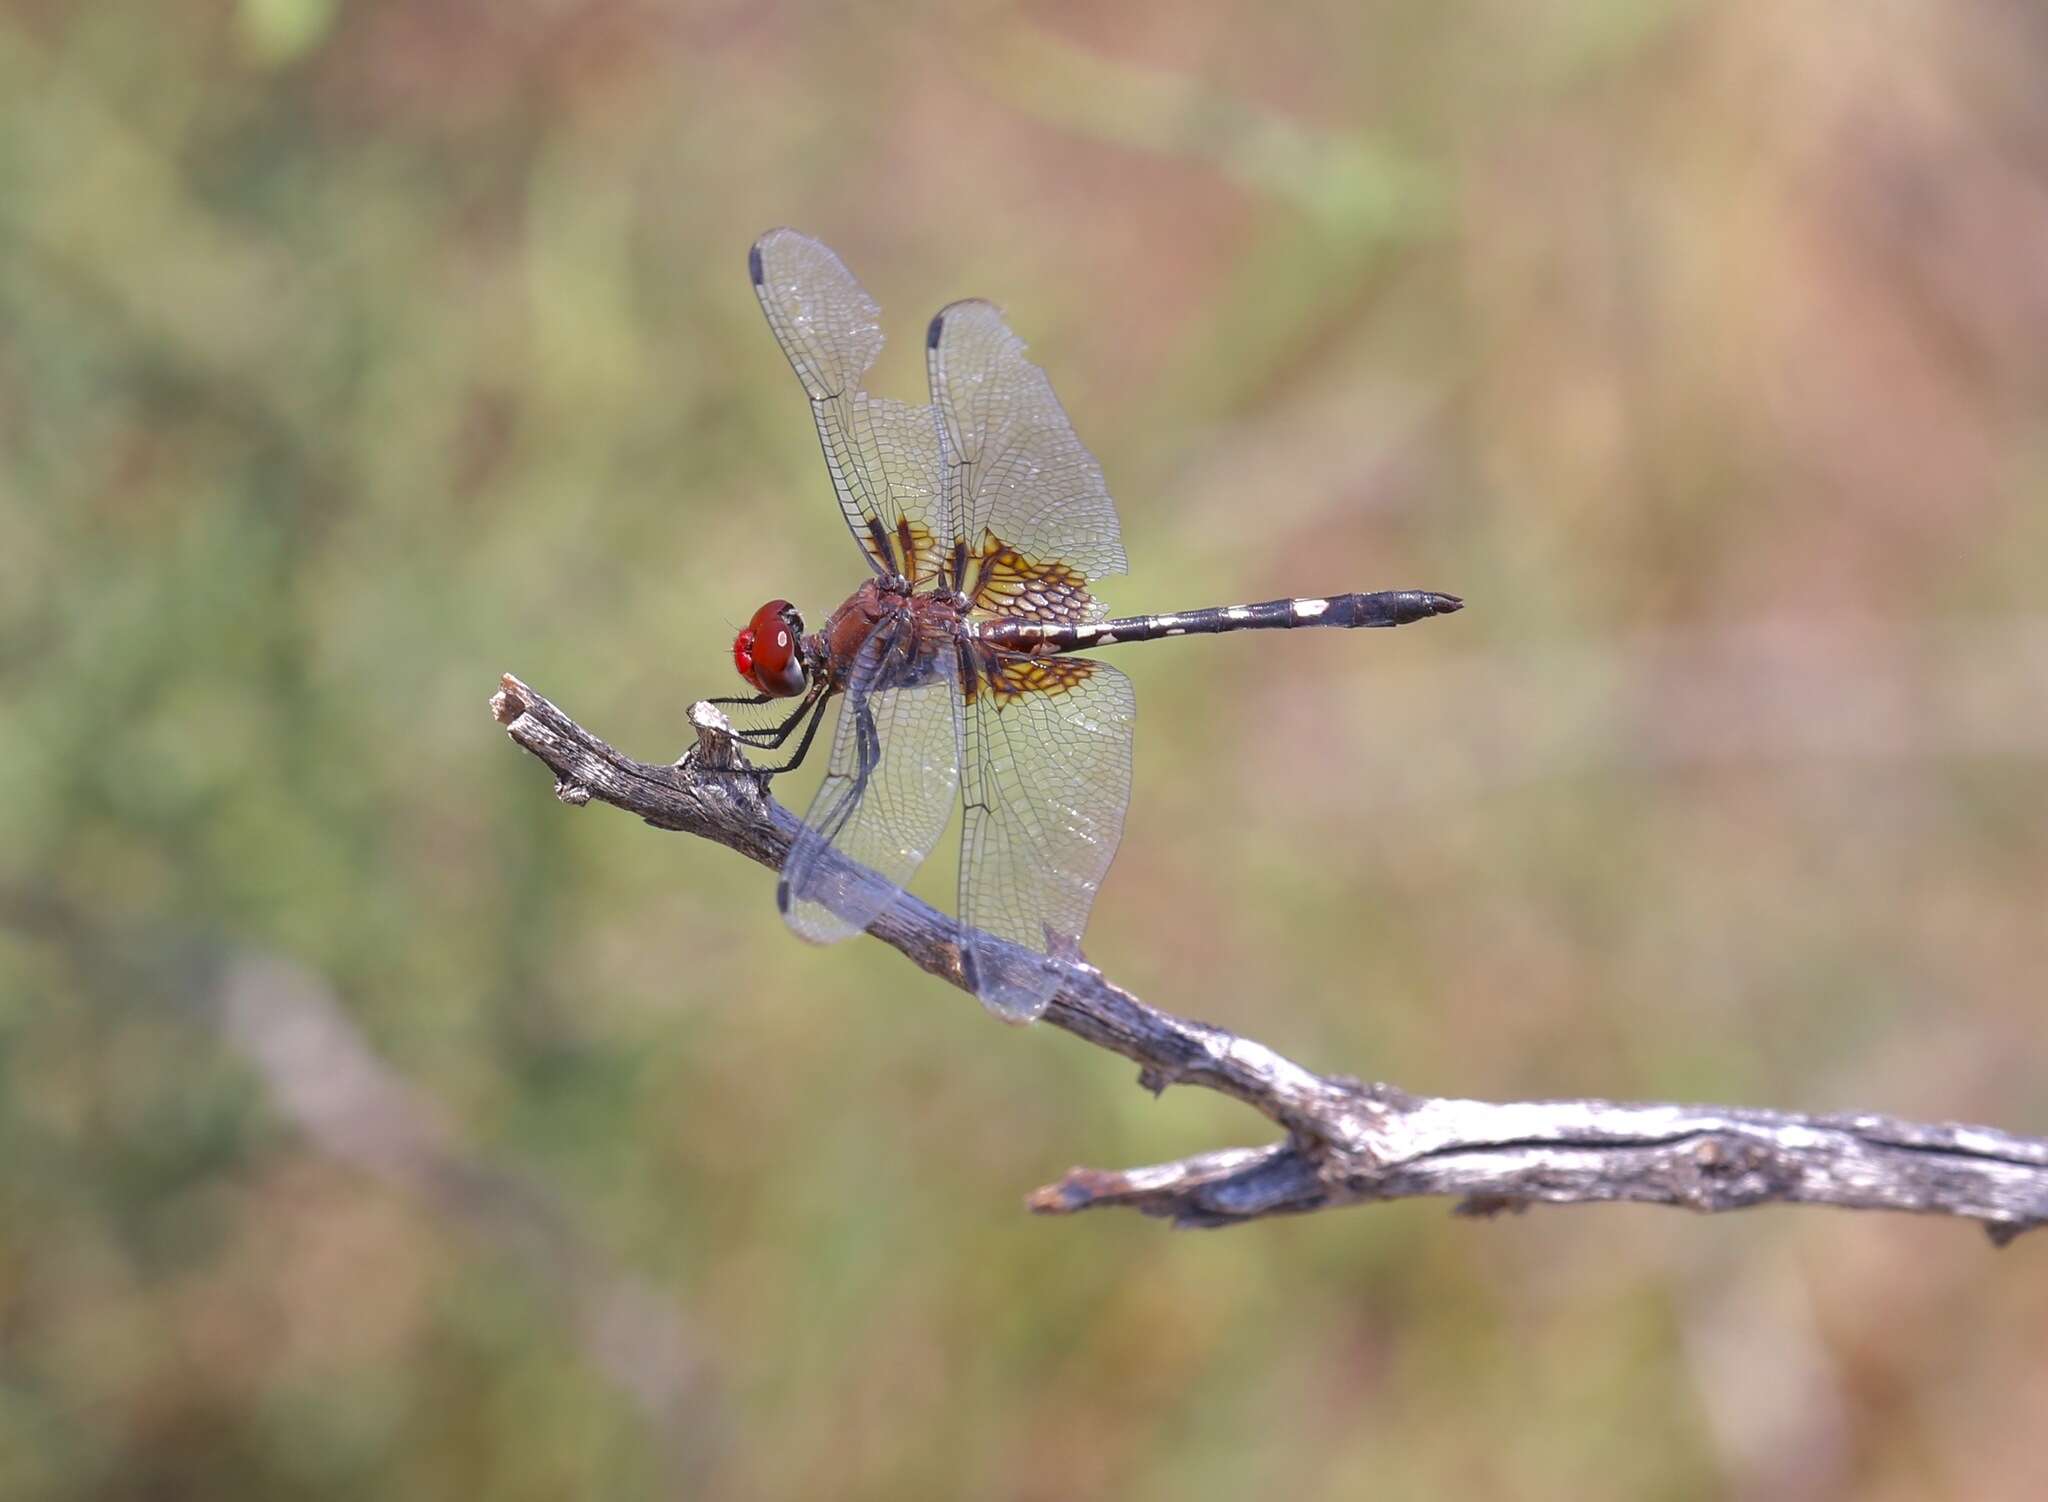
{"x":769,"y":652}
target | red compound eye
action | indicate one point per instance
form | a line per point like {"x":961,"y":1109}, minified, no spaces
{"x":769,"y":653}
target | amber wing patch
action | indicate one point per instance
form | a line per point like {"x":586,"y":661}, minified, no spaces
{"x":905,"y":550}
{"x":1002,"y":581}
{"x":1007,"y":677}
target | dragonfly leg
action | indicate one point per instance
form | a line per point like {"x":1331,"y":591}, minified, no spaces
{"x":770,"y":739}
{"x":742,"y":701}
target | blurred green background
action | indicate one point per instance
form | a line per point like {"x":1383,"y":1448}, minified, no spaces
{"x":374,"y":1126}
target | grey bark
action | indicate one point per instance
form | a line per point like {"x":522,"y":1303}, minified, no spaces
{"x":1348,"y":1142}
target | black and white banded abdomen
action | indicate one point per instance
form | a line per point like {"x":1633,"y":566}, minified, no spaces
{"x":1387,"y":608}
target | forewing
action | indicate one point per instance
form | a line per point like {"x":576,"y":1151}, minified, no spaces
{"x":886,"y":796}
{"x":1025,"y":497}
{"x":896,"y":454}
{"x":1045,"y":759}
{"x":883,"y":456}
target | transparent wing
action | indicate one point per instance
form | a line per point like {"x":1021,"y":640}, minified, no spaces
{"x":883,"y":455}
{"x":1014,"y":475}
{"x":1045,"y":758}
{"x":886,"y":796}
{"x":896,"y":449}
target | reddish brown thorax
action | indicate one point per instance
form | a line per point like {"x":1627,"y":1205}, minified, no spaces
{"x":934,"y":617}
{"x":847,"y":630}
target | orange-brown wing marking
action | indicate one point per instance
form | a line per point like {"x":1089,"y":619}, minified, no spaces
{"x":920,"y":557}
{"x":908,"y":550}
{"x":1002,"y":581}
{"x":1007,"y":677}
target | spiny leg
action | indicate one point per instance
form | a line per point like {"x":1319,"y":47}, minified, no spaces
{"x":768,"y":737}
{"x":815,"y":709}
{"x":746,"y":701}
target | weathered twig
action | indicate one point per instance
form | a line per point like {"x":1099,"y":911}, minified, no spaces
{"x":1349,"y":1142}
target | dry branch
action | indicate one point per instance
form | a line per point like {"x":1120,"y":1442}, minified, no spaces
{"x":1349,"y":1142}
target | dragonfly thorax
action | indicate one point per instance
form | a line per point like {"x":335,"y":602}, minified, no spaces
{"x":769,"y":651}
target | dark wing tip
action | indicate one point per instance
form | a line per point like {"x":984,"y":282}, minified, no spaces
{"x":754,"y":264}
{"x":978,"y":306}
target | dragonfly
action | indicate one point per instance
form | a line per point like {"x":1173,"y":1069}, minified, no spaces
{"x":985,"y":524}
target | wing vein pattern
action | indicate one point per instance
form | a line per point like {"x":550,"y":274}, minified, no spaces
{"x":989,"y":494}
{"x":888,"y":791}
{"x":882,"y":455}
{"x":1045,"y":780}
{"x":1014,"y":471}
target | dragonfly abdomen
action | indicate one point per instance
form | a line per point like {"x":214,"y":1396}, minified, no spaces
{"x":1386,"y":608}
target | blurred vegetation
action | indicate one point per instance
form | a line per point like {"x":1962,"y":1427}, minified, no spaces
{"x":354,"y":351}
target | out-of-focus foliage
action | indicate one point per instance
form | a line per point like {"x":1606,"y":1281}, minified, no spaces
{"x":354,"y":351}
